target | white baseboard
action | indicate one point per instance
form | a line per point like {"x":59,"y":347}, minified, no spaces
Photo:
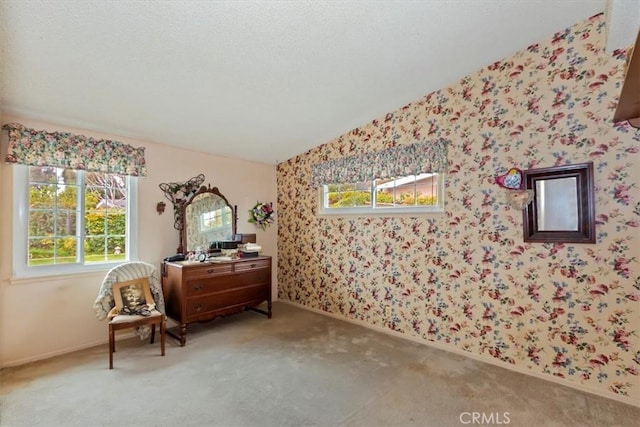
{"x":65,"y":351}
{"x":580,"y":387}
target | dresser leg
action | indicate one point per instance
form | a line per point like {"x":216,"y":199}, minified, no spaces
{"x":269,"y":309}
{"x":183,"y":334}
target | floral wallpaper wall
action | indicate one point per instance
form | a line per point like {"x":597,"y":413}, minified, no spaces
{"x":466,"y":279}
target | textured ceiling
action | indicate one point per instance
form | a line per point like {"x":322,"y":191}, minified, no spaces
{"x":257,"y":80}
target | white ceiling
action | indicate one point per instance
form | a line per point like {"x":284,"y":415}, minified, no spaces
{"x":257,"y":80}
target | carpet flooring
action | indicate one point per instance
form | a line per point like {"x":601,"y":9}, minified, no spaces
{"x":297,"y":369}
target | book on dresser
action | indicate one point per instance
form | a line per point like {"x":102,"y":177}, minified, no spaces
{"x":202,"y":291}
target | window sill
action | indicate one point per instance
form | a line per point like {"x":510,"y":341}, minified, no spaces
{"x":48,"y":276}
{"x":388,"y":213}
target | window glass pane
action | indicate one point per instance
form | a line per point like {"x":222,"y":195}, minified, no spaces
{"x":42,"y":223}
{"x":348,"y":195}
{"x":116,"y":222}
{"x":40,"y":251}
{"x":405,"y":194}
{"x":67,"y":196}
{"x":413,"y":191}
{"x":385,"y":189}
{"x":42,"y":196}
{"x":66,"y":223}
{"x":67,"y":249}
{"x":362,"y":194}
{"x":95,"y":249}
{"x":46,"y":175}
{"x":70,"y":177}
{"x":116,"y":248}
{"x":47,"y":251}
{"x":105,"y":218}
{"x":427,"y":189}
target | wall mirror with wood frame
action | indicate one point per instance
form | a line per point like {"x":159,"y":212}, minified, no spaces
{"x":207,"y":217}
{"x":563,"y":206}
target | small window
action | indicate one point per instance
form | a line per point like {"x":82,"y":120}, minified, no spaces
{"x":66,"y":219}
{"x":407,"y":194}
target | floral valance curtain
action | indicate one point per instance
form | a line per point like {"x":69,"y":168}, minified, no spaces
{"x":66,"y":150}
{"x":403,"y":160}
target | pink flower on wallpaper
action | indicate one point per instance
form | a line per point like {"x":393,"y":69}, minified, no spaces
{"x":570,"y":272}
{"x":621,"y":338}
{"x":621,"y":266}
{"x":633,"y":296}
{"x":621,"y":194}
{"x":600,"y":290}
{"x":560,"y":360}
{"x":558,"y":311}
{"x":468,"y":311}
{"x":632,"y":370}
{"x":570,"y":338}
{"x":560,"y":294}
{"x":518,"y":311}
{"x":598,"y":361}
{"x":533,"y":291}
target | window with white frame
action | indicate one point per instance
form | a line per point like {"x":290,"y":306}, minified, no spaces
{"x":413,"y":193}
{"x":67,"y":219}
{"x":401,"y":178}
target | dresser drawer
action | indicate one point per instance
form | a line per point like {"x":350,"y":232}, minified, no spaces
{"x":237,"y":297}
{"x":253,"y":264}
{"x":213,"y":284}
{"x":208,"y":269}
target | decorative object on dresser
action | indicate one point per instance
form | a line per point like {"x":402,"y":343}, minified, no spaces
{"x":201,"y":289}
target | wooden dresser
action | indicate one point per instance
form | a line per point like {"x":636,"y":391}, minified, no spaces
{"x":196,"y":292}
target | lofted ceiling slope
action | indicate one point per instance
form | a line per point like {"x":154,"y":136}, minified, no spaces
{"x":256,"y":80}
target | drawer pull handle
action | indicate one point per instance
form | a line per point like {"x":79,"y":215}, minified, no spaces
{"x":198,"y":307}
{"x":253,"y":265}
{"x":210,"y":271}
{"x":197,"y":288}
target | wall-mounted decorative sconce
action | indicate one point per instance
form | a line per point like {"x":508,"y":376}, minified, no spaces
{"x":160,"y":207}
{"x":517,"y":196}
{"x":179,"y":193}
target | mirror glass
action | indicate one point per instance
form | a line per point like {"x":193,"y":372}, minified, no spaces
{"x":563,"y":206}
{"x":557,"y":201}
{"x":208,"y":217}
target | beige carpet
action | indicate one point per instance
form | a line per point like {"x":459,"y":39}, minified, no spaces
{"x":297,"y":369}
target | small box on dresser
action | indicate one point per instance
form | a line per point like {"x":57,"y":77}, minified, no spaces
{"x":196,"y":292}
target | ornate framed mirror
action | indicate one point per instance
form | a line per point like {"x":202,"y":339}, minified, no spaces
{"x":563,"y":206}
{"x":207,"y":217}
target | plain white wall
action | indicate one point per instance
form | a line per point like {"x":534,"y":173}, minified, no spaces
{"x":43,"y":317}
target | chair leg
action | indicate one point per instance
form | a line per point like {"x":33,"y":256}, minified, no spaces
{"x":162,"y":334}
{"x":153,"y":333}
{"x":112,"y":346}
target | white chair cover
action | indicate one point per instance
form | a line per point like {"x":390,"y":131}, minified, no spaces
{"x":128,"y":271}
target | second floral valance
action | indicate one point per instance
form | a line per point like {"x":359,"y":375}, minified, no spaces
{"x":403,"y":160}
{"x":66,"y":150}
